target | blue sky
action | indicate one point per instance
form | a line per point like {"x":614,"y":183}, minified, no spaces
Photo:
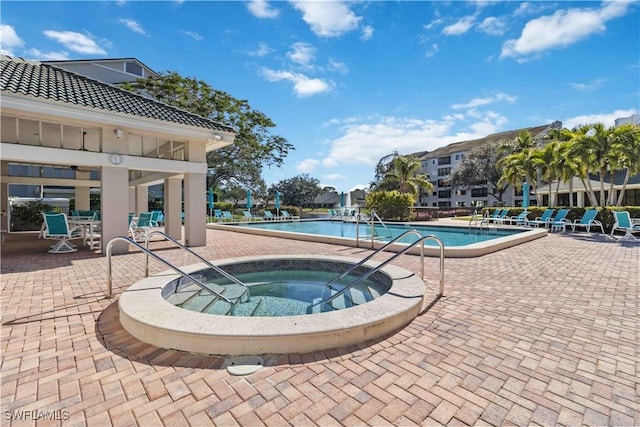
{"x":349,"y":82}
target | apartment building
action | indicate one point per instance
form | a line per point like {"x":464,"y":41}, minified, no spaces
{"x":439,"y":164}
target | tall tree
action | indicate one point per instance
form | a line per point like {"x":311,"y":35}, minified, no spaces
{"x":299,"y":190}
{"x":547,"y":160}
{"x":255,"y":147}
{"x":625,"y":149}
{"x":592,"y":146}
{"x":478,"y":168}
{"x":517,"y":165}
{"x":403,"y":176}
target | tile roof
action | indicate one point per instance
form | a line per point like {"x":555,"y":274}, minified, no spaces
{"x":464,"y":146}
{"x":38,"y":80}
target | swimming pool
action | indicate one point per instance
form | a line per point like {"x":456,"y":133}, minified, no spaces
{"x":459,"y":241}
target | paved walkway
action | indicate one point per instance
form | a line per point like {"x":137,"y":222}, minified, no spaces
{"x":546,"y":333}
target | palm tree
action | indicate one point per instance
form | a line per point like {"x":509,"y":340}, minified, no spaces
{"x":403,"y":176}
{"x":592,"y":147}
{"x":547,"y":159}
{"x":517,"y":166}
{"x":625,"y":151}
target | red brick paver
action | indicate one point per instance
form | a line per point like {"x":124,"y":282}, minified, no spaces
{"x":545,"y":333}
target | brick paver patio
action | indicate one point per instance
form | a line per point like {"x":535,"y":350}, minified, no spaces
{"x":546,"y":333}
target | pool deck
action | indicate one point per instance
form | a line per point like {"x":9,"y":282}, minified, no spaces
{"x":544,"y":333}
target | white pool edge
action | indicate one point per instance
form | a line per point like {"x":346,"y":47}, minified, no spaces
{"x":146,"y":315}
{"x":467,"y":251}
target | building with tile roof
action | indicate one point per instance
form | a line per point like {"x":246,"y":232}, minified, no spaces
{"x":66,"y":129}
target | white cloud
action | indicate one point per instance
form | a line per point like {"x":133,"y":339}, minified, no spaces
{"x":262,"y":9}
{"x":608,"y":119}
{"x":561,"y":29}
{"x":594,"y":84}
{"x":338,"y":66}
{"x":462,"y":26}
{"x":193,"y":35}
{"x":76,"y":42}
{"x":9,"y":40}
{"x":307,"y":165}
{"x":302,"y":85}
{"x":479,"y":102}
{"x":327,"y":18}
{"x":333,"y":177}
{"x":38,"y":55}
{"x":492,"y":25}
{"x":302,"y":54}
{"x":132,"y":25}
{"x":262,"y":50}
{"x":367,"y":33}
{"x":431,"y":50}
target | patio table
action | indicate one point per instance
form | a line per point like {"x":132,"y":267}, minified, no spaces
{"x":88,"y":230}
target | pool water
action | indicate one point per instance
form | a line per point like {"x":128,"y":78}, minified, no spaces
{"x":273,"y":293}
{"x":450,"y":236}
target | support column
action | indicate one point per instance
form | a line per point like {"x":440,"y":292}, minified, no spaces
{"x":82,"y":194}
{"x":4,"y":198}
{"x":581,"y":199}
{"x":132,"y":200}
{"x":195,"y":210}
{"x":142,"y":198}
{"x":173,"y":207}
{"x":115,"y":210}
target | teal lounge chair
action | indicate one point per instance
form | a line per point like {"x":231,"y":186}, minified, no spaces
{"x":560,"y":221}
{"x":624,"y":222}
{"x":543,"y":220}
{"x":249,"y":216}
{"x":587,"y":221}
{"x":287,"y":216}
{"x":57,"y":228}
{"x":155,"y":218}
{"x":227,"y":216}
{"x":217,"y":215}
{"x":268,"y":215}
{"x":521,"y":219}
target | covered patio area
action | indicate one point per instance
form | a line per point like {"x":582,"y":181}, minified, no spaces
{"x":63,"y":129}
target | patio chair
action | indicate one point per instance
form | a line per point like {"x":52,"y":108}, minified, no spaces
{"x":57,"y":228}
{"x":139,"y":228}
{"x":287,"y":216}
{"x":587,"y":221}
{"x":499,"y":216}
{"x":268,"y":215}
{"x":155,"y":218}
{"x":543,"y":220}
{"x":521,"y":219}
{"x":624,"y":222}
{"x":217,"y":214}
{"x":227,"y":216}
{"x":560,"y":221}
{"x":250,"y":217}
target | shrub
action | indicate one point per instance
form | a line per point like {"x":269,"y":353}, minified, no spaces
{"x":392,"y":205}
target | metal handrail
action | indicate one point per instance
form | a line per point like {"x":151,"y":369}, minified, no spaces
{"x":208,"y":263}
{"x":353,"y":267}
{"x":162,"y":260}
{"x":373,"y":235}
{"x":376,"y":269}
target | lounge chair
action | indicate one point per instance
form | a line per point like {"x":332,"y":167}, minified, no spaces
{"x":543,"y":220}
{"x":587,"y":221}
{"x":250,"y":217}
{"x":268,"y":215}
{"x":57,"y":228}
{"x":140,"y":227}
{"x":521,"y":219}
{"x":287,"y":216}
{"x":494,"y":216}
{"x":498,"y":216}
{"x":217,"y":215}
{"x":624,"y":222}
{"x":560,"y":221}
{"x":227,"y":216}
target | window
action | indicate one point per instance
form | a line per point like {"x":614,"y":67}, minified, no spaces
{"x":133,"y":68}
{"x":444,"y":160}
{"x":463,"y":192}
{"x":444,"y":171}
{"x":444,"y":194}
{"x":479,"y":192}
